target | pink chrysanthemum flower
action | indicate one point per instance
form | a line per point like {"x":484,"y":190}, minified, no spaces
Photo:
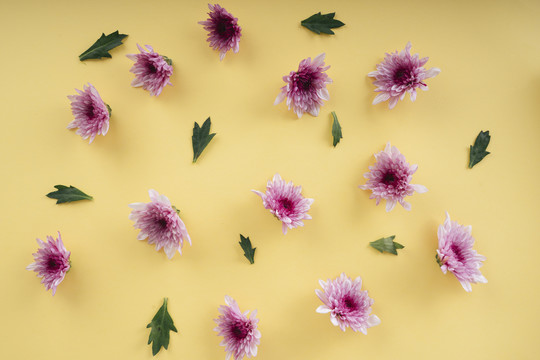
{"x":455,"y":253}
{"x":160,"y":223}
{"x":306,"y":88}
{"x":347,"y":304}
{"x":223,"y":30}
{"x":152,"y":70}
{"x":90,"y":112}
{"x":286,"y":202}
{"x":51,"y":262}
{"x":390,"y":178}
{"x":400,"y":73}
{"x":240,"y":334}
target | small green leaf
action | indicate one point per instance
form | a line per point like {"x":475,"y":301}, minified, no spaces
{"x":336,"y":129}
{"x":386,"y":244}
{"x":161,"y":325}
{"x":439,"y":261}
{"x":102,"y":46}
{"x":201,"y":137}
{"x":322,"y":23}
{"x":249,"y":251}
{"x":478,"y":150}
{"x":65,"y":194}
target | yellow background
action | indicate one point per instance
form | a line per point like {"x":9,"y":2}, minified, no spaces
{"x":489,"y":56}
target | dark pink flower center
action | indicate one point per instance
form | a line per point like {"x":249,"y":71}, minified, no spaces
{"x":389,"y":178}
{"x":303,"y":81}
{"x":90,"y":111}
{"x":162,"y":222}
{"x":240,"y":330}
{"x":349,"y":303}
{"x":286,"y":204}
{"x":53,"y":264}
{"x":225,"y":28}
{"x":151,"y":68}
{"x":403,"y":76}
{"x":457,"y":252}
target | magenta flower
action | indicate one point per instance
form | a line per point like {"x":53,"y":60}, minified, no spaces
{"x":51,"y":262}
{"x":152,"y":70}
{"x":455,"y":253}
{"x":223,"y":30}
{"x":306,"y":88}
{"x":390,"y":178}
{"x":286,"y":202}
{"x":160,"y":223}
{"x":347,"y":304}
{"x":240,"y":333}
{"x":400,"y":73}
{"x":90,"y":112}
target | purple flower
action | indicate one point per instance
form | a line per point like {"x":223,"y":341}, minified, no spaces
{"x":240,"y":333}
{"x":306,"y":88}
{"x":152,"y":71}
{"x":455,"y":253}
{"x":347,"y":304}
{"x":400,"y":73}
{"x":286,"y":202}
{"x":51,"y":262}
{"x":390,"y":178}
{"x":90,"y":112}
{"x":223,"y":30}
{"x":160,"y":223}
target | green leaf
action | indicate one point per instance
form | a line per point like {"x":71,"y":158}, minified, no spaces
{"x":161,"y":325}
{"x":478,"y":150}
{"x":322,"y":23}
{"x":65,"y":194}
{"x":102,"y":46}
{"x":386,"y":244}
{"x":336,"y":129}
{"x":439,"y":261}
{"x":201,"y":137}
{"x":249,"y":251}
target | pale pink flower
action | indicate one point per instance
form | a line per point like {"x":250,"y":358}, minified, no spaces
{"x":160,"y":223}
{"x":90,"y":112}
{"x":399,"y":73}
{"x":390,"y":178}
{"x":347,"y":304}
{"x":51,"y":262}
{"x":152,"y":70}
{"x":306,"y":88}
{"x":455,"y":253}
{"x":240,"y":334}
{"x":286,"y":202}
{"x":223,"y":30}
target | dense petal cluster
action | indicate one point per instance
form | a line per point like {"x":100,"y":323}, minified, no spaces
{"x":90,"y":112}
{"x":160,"y":223}
{"x":455,"y":253}
{"x":347,"y":304}
{"x":390,"y":178}
{"x":152,"y":70}
{"x":51,"y":262}
{"x":399,"y":73}
{"x":223,"y":30}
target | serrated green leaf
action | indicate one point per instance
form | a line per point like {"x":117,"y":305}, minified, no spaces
{"x":249,"y":250}
{"x":102,"y":46}
{"x":336,"y":129}
{"x":201,"y":137}
{"x":386,"y":244}
{"x":161,"y":325}
{"x":65,"y":194}
{"x":322,"y":23}
{"x":478,"y":150}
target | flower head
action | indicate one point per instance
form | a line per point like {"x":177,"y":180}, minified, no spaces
{"x":455,"y":253}
{"x":223,"y":30}
{"x":240,"y":333}
{"x":286,"y":202}
{"x":152,"y":70}
{"x":306,"y":88}
{"x":160,"y":223}
{"x":347,"y":304}
{"x":390,"y":178}
{"x":399,"y":73}
{"x":51,"y":262}
{"x":90,"y":112}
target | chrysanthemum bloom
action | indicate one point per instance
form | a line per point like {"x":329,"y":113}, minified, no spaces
{"x":347,"y":304}
{"x":390,"y":178}
{"x":306,"y":88}
{"x":160,"y":223}
{"x":51,"y":262}
{"x":400,"y":73}
{"x":223,"y":30}
{"x":286,"y":202}
{"x":240,"y":334}
{"x":455,"y":253}
{"x":90,"y":112}
{"x":152,"y":70}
